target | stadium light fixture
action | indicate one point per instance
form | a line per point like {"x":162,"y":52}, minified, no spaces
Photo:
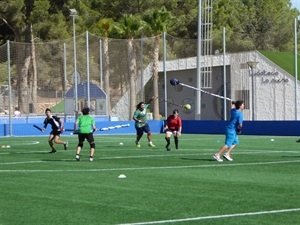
{"x":73,"y":12}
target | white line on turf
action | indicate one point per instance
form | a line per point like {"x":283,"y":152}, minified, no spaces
{"x":21,"y":143}
{"x":165,"y":155}
{"x":24,"y":153}
{"x":151,"y":168}
{"x":13,"y":163}
{"x":152,"y":156}
{"x":216,"y":217}
{"x":194,"y":154}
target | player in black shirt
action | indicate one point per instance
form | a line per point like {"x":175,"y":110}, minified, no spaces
{"x":57,"y":128}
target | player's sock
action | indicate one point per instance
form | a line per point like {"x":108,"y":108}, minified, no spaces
{"x":168,"y":141}
{"x":176,"y":142}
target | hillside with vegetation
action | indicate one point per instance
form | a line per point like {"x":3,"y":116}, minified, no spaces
{"x":250,"y":25}
{"x":285,"y":60}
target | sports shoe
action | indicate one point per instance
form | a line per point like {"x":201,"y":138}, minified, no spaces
{"x":217,"y":157}
{"x":151,"y":145}
{"x":77,"y":157}
{"x":53,"y":151}
{"x":227,"y":157}
{"x":298,"y":141}
{"x":66,"y":145}
{"x":137,"y":144}
{"x":91,"y":159}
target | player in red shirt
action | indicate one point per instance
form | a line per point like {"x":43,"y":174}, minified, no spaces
{"x":173,"y":126}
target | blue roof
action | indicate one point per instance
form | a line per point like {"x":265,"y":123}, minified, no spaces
{"x":82,"y":91}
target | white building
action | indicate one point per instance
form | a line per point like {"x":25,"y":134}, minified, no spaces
{"x":270,"y":94}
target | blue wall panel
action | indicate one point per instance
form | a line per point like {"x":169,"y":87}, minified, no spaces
{"x":22,"y":129}
{"x":279,"y":128}
{"x":276,"y":128}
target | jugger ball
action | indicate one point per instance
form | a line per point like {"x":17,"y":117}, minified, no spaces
{"x":174,"y":81}
{"x":187,"y":107}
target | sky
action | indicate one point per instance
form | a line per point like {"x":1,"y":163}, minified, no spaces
{"x":296,"y":4}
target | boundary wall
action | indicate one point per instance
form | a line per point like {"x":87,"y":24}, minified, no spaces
{"x":275,"y":128}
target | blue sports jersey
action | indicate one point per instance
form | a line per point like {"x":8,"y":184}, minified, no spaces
{"x":236,"y":118}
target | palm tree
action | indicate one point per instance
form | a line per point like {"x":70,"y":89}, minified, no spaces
{"x":156,"y":21}
{"x":105,"y":26}
{"x":130,"y":27}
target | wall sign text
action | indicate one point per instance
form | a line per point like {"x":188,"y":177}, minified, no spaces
{"x":268,"y":77}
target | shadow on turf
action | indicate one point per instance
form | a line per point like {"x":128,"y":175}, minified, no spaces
{"x":289,"y":156}
{"x":29,"y":153}
{"x":58,"y":160}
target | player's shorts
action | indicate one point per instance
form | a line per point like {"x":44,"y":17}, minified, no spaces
{"x":141,"y":130}
{"x":56,"y":132}
{"x":173,"y":131}
{"x":231,"y":138}
{"x":89,"y":137}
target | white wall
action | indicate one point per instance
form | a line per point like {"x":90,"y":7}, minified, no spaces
{"x":273,"y":100}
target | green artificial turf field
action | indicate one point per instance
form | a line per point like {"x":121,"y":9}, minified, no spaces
{"x":185,"y":186}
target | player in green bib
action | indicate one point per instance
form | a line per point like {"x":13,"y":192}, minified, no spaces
{"x":141,"y":125}
{"x":87,"y":126}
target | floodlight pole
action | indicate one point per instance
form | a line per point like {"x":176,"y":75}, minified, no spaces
{"x":296,"y":70}
{"x":252,"y":66}
{"x":73,"y":13}
{"x":199,"y":52}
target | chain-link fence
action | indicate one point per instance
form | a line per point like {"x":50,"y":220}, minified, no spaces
{"x":113,"y":75}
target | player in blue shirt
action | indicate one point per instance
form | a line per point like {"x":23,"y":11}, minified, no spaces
{"x":232,"y":130}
